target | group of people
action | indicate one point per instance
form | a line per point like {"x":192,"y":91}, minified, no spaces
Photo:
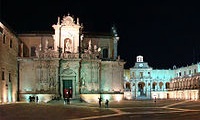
{"x":106,"y":102}
{"x":33,"y":99}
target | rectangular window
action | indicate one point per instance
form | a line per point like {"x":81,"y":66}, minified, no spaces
{"x":105,"y":53}
{"x":11,"y":43}
{"x":1,"y":30}
{"x":141,"y":74}
{"x":184,"y":72}
{"x":133,"y":74}
{"x":179,"y":74}
{"x":9,"y":77}
{"x":33,"y":51}
{"x":195,"y":71}
{"x":3,"y":75}
{"x":190,"y":72}
{"x":4,"y":38}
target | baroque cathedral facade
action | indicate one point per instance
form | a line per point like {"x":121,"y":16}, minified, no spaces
{"x":66,"y":63}
{"x":70,"y":62}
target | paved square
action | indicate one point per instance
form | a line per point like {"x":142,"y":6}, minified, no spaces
{"x":123,"y":110}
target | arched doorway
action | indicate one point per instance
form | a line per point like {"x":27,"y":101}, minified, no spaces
{"x":160,"y":85}
{"x":128,"y":86}
{"x":167,"y":85}
{"x":154,"y":86}
{"x":141,"y":88}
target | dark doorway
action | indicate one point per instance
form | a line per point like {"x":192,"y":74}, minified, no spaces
{"x":167,"y":95}
{"x":67,"y":88}
{"x":141,"y":88}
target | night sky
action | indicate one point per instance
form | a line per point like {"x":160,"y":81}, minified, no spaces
{"x":165,"y":33}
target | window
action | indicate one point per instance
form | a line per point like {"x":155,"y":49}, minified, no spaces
{"x":9,"y":77}
{"x":195,"y":71}
{"x":141,"y":74}
{"x":11,"y":43}
{"x":189,"y":72}
{"x":3,"y":75}
{"x":33,"y":51}
{"x":128,"y":85}
{"x":4,"y":38}
{"x":105,"y":53}
{"x":179,"y":74}
{"x":133,"y":74}
{"x":184,"y":72}
{"x":1,"y":30}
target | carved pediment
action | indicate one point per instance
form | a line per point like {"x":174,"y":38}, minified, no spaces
{"x":67,"y":20}
{"x":68,"y":72}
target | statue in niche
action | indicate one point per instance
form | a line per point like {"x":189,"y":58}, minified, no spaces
{"x":90,"y":46}
{"x":95,"y":48}
{"x":68,"y":45}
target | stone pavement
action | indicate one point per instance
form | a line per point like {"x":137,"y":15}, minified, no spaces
{"x":119,"y":111}
{"x":81,"y":111}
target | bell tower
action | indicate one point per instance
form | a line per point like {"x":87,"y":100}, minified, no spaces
{"x":66,"y":35}
{"x":139,"y":58}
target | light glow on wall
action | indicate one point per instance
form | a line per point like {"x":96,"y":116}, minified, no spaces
{"x":127,"y":95}
{"x":106,"y":96}
{"x":118,"y":97}
{"x":93,"y":98}
{"x":41,"y":97}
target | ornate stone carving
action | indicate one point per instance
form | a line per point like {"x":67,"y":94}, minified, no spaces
{"x":67,"y":20}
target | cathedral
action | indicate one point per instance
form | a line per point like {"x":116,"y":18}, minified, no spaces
{"x":67,"y":62}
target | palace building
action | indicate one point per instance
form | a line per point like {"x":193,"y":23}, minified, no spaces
{"x":8,"y":64}
{"x":67,"y":62}
{"x":144,"y":82}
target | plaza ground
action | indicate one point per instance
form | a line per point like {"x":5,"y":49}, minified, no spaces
{"x":123,"y":110}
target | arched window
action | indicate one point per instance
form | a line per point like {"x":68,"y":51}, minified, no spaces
{"x":128,"y":85}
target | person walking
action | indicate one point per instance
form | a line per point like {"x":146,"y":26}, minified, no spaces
{"x":100,"y":100}
{"x":106,"y":103}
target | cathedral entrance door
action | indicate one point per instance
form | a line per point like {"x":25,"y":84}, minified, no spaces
{"x":67,"y":88}
{"x":141,"y":88}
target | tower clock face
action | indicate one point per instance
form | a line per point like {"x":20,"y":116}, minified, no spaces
{"x":140,"y":65}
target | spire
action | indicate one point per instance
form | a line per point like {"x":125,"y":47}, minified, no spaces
{"x":78,"y":21}
{"x":58,"y":23}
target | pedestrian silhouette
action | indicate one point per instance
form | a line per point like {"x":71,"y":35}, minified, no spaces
{"x":37,"y":99}
{"x":100,"y":100}
{"x":106,"y":103}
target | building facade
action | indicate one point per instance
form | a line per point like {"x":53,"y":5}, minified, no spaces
{"x":144,"y":82}
{"x":186,"y":83}
{"x":70,"y":62}
{"x":8,"y":64}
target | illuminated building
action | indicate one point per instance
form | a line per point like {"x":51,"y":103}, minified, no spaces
{"x":144,"y":82}
{"x":8,"y":64}
{"x":70,"y":61}
{"x":186,"y":83}
{"x":84,"y":65}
